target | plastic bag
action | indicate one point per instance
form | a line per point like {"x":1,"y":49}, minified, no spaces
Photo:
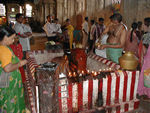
{"x":4,"y":79}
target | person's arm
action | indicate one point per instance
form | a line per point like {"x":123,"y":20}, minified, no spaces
{"x":59,"y":29}
{"x":20,"y":31}
{"x":85,"y":26}
{"x":27,"y":30}
{"x":106,"y":30}
{"x":28,"y":34}
{"x":6,"y":62}
{"x":122,"y":42}
{"x":11,"y":67}
{"x":22,"y":35}
{"x":85,"y":31}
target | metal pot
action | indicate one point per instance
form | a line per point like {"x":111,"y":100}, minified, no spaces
{"x":128,"y":61}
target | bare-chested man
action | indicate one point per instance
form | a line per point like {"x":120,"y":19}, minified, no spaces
{"x":116,"y":40}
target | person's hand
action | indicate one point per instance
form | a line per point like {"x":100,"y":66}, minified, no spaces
{"x":23,"y":62}
{"x":102,"y":47}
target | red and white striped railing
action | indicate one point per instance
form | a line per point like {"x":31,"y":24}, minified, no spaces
{"x":118,"y":90}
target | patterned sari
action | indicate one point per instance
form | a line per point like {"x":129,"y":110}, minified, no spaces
{"x":12,"y":97}
{"x":142,"y":90}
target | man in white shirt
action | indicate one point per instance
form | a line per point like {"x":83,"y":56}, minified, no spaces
{"x":27,"y":27}
{"x":85,"y":30}
{"x":57,"y":26}
{"x":23,"y":35}
{"x":49,"y":28}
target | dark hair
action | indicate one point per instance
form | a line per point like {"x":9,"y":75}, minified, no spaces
{"x":134,"y":27}
{"x":111,"y":17}
{"x":48,"y":16}
{"x":18,"y":15}
{"x":147,"y":20}
{"x":92,"y":21}
{"x":67,"y":20}
{"x":56,"y":19}
{"x":117,"y":17}
{"x":101,"y":19}
{"x":139,"y":24}
{"x":25,"y":17}
{"x":6,"y":31}
{"x":86,"y":18}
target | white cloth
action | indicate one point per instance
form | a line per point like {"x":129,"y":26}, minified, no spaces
{"x":27,"y":28}
{"x":49,"y":28}
{"x":58,"y":28}
{"x":20,"y":29}
{"x":85,"y":26}
{"x":102,"y":53}
{"x":126,"y":28}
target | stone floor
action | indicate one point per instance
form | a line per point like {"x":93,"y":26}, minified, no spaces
{"x":144,"y":108}
{"x":38,"y":43}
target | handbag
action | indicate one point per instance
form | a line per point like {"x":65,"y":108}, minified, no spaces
{"x":147,"y":78}
{"x":4,"y":79}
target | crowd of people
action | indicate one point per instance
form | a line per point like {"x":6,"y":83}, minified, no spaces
{"x":107,"y":41}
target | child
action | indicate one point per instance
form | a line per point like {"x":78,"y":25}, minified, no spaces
{"x":17,"y":49}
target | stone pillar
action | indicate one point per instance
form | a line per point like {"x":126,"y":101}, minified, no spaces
{"x":47,"y":10}
{"x":131,"y":12}
{"x":60,"y":10}
{"x":43,"y":13}
{"x":108,"y":3}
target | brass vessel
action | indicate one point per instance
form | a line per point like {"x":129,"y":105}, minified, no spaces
{"x":128,"y":61}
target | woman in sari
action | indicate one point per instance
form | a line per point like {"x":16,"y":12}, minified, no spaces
{"x":12,"y":95}
{"x":143,"y":88}
{"x":131,"y":43}
{"x":70,"y":30}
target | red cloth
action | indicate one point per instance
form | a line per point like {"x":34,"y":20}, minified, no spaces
{"x":22,"y":74}
{"x":141,"y":53}
{"x":17,"y":49}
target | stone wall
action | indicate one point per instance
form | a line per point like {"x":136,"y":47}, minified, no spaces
{"x":43,"y":9}
{"x":91,"y":8}
{"x":135,"y":10}
{"x":132,"y":10}
{"x":63,"y":9}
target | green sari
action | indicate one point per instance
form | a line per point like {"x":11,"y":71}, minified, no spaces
{"x":12,"y":97}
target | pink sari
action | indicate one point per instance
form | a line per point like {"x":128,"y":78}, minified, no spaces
{"x":132,"y":46}
{"x":142,"y":90}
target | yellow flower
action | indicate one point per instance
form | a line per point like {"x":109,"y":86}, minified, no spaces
{"x":147,"y":72}
{"x":10,"y":78}
{"x":5,"y":101}
{"x":1,"y":97}
{"x":23,"y":111}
